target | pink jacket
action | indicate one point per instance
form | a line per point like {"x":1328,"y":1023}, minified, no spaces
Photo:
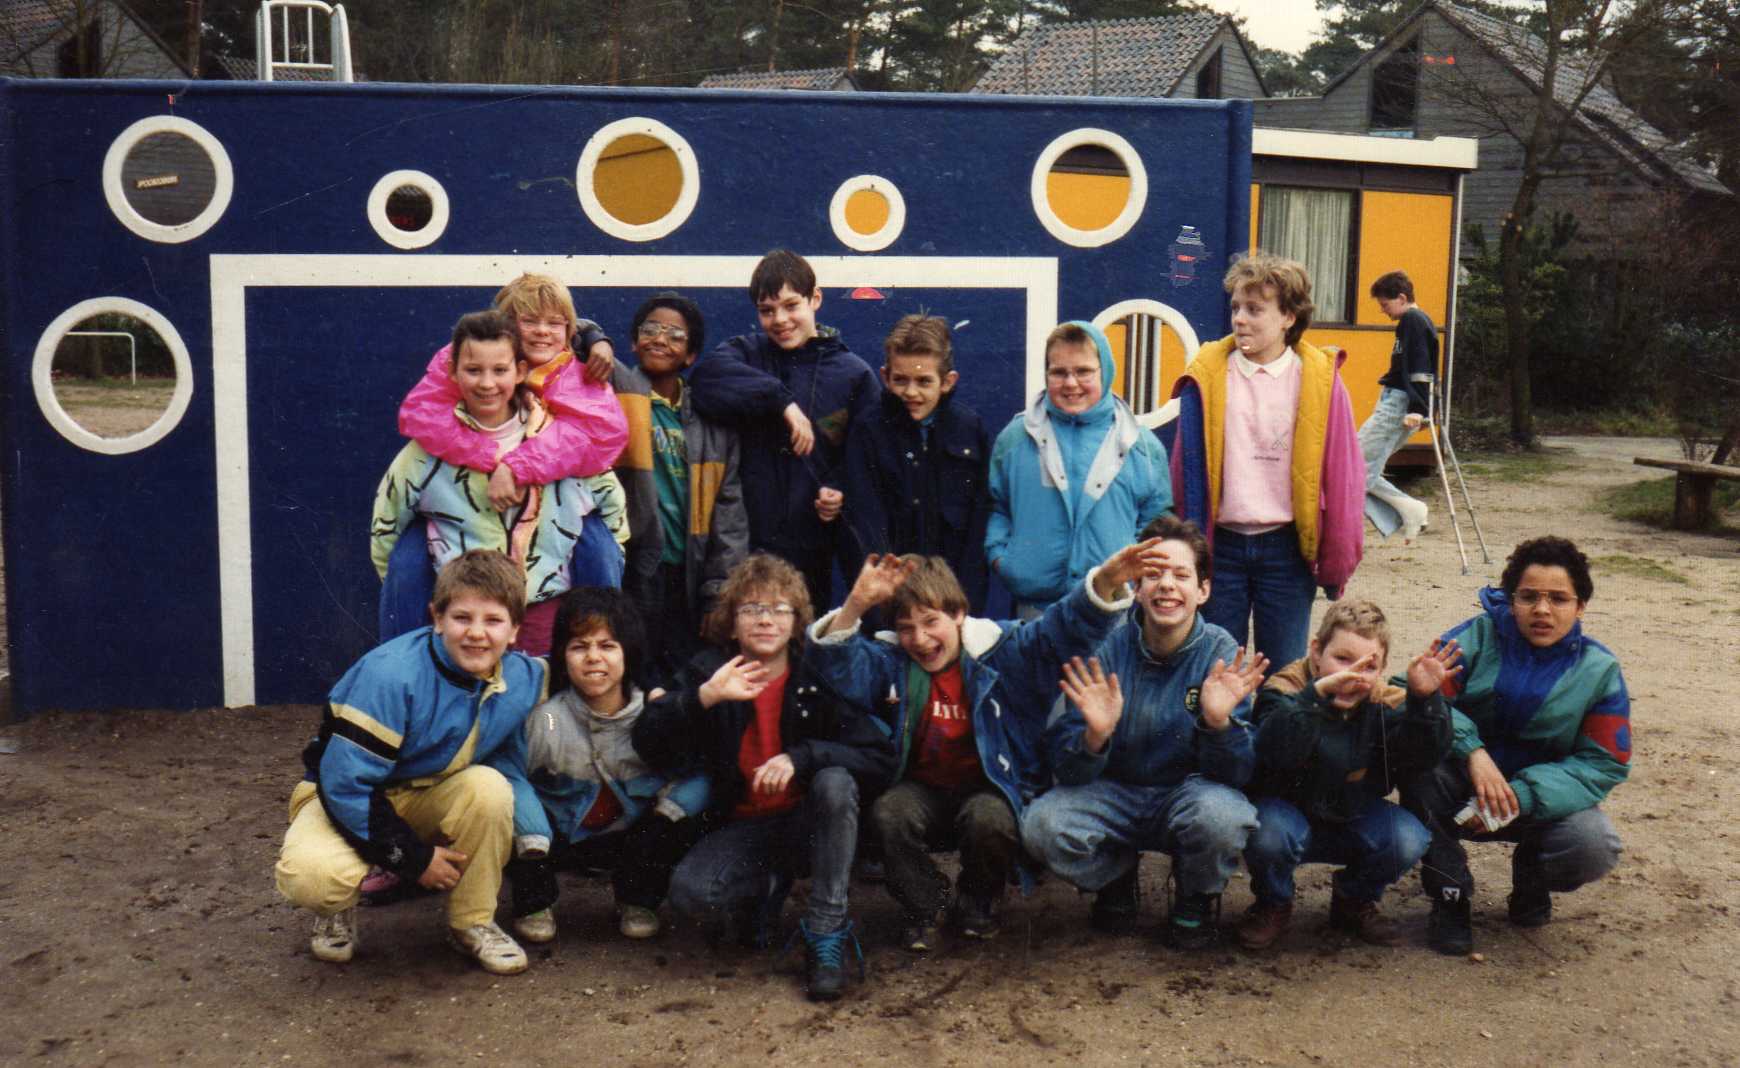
{"x":588,"y":432}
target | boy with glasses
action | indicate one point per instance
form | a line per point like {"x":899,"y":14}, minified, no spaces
{"x":1542,"y":733}
{"x":1073,"y":478}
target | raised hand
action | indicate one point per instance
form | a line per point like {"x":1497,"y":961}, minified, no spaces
{"x":881,"y":575}
{"x":1353,"y":682}
{"x":1428,"y":672}
{"x":803,"y":436}
{"x":1227,"y":685}
{"x":1099,"y":698}
{"x":773,"y":776}
{"x":1129,"y":564}
{"x":738,"y":679}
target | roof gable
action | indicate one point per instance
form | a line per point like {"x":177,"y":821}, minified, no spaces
{"x":1118,"y":57}
{"x":26,"y":25}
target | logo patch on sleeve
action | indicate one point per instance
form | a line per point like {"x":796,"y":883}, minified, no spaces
{"x":1192,"y":699}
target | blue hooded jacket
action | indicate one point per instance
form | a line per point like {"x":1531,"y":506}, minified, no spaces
{"x":1089,"y":481}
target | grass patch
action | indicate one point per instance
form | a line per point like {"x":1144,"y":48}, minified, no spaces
{"x":1648,"y":423}
{"x":1651,"y":501}
{"x":1639,"y":567}
{"x":1519,"y":465}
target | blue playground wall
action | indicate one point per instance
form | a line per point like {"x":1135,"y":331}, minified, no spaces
{"x":227,"y":563}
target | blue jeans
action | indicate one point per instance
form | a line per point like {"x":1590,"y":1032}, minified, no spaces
{"x":1093,"y":833}
{"x":1379,"y":437}
{"x":1377,"y":847}
{"x":732,"y":869}
{"x":410,"y":582}
{"x":1262,"y":574}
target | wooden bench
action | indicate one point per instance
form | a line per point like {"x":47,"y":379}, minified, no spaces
{"x":1693,"y":484}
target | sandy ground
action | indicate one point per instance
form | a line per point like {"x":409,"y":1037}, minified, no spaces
{"x":138,"y":925}
{"x":117,"y":410}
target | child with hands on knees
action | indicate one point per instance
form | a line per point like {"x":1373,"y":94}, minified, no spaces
{"x":966,"y":700}
{"x":1333,"y":739}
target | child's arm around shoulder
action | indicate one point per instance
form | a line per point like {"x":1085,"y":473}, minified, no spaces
{"x":426,"y":417}
{"x":587,"y":431}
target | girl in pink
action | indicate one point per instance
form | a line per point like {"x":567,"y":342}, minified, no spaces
{"x":1267,"y":460}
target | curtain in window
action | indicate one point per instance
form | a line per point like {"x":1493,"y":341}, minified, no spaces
{"x":1313,"y":226}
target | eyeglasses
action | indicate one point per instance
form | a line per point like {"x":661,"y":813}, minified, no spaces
{"x":650,"y":330}
{"x":752,"y":610}
{"x":1557,"y":599}
{"x":1062,"y":374}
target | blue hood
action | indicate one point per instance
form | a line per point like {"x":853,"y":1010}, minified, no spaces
{"x":1103,"y":409}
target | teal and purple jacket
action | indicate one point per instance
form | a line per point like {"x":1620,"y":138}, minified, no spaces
{"x":1556,"y":721}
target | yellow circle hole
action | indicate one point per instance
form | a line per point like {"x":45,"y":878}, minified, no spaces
{"x":866,"y":211}
{"x":1088,"y":187}
{"x":638,"y":179}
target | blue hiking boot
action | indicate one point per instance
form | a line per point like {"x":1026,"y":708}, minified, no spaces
{"x":825,"y":960}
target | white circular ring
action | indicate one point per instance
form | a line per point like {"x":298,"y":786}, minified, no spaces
{"x":223,"y":186}
{"x":882,"y":238}
{"x":42,"y":377}
{"x":392,"y":235}
{"x":1168,"y":315}
{"x":1133,"y":206}
{"x":585,"y":170}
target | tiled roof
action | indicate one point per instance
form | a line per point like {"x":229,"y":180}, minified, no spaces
{"x":237,"y":69}
{"x":1617,"y":126}
{"x":28,"y":24}
{"x":1120,"y":57}
{"x":821,"y":78}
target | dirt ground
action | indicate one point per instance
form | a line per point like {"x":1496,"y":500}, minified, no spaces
{"x":138,"y":924}
{"x":116,"y":409}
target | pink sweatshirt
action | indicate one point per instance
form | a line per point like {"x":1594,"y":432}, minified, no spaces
{"x":588,"y":431}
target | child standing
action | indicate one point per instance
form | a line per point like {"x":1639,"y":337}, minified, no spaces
{"x":396,"y":776}
{"x":1266,"y":461}
{"x":680,"y":474}
{"x":586,"y":432}
{"x":539,"y":533}
{"x":787,"y":759}
{"x":1332,"y":741}
{"x":966,"y":700}
{"x":582,"y":795}
{"x":793,"y":392}
{"x":1401,"y":407}
{"x":916,"y":472}
{"x":1073,"y":478}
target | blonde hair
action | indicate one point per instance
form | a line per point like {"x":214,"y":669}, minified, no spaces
{"x":1265,"y":271}
{"x":760,"y":572}
{"x":1362,"y":617}
{"x":933,"y":585}
{"x":531,"y":295}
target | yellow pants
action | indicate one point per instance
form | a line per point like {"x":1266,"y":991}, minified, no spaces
{"x":471,"y":810}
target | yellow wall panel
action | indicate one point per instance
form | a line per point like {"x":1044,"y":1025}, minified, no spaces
{"x":1256,"y":202}
{"x":1087,"y":201}
{"x":1405,"y":232}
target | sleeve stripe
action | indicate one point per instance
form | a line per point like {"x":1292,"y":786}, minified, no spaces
{"x":366,"y":731}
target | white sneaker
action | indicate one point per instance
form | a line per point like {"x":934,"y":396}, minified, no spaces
{"x":334,"y":938}
{"x":638,"y":921}
{"x":490,"y":946}
{"x":538,"y":927}
{"x":1414,"y":516}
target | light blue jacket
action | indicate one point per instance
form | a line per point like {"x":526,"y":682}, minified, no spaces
{"x":1089,"y":482}
{"x":1160,"y":739}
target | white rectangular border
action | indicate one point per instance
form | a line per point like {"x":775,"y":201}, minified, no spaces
{"x":233,"y":275}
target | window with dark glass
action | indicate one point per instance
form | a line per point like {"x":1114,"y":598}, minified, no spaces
{"x":1395,"y":89}
{"x":1208,"y":78}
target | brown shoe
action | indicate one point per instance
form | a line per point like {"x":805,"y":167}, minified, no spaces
{"x":1264,"y":923}
{"x":1362,"y":918}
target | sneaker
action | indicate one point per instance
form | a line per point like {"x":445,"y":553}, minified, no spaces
{"x":1414,"y":518}
{"x":637,"y":921}
{"x":1195,"y":923}
{"x":334,"y":938}
{"x":1363,"y":919}
{"x":1530,"y":907}
{"x":490,"y":946}
{"x":825,"y":960}
{"x":1264,"y":923}
{"x":922,"y":935}
{"x":1118,"y":904}
{"x":1450,"y":928}
{"x":976,"y":916}
{"x":538,"y":927}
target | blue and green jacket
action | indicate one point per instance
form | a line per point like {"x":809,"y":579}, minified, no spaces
{"x":405,"y":715}
{"x":1556,"y":721}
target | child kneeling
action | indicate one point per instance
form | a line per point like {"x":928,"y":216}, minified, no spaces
{"x":582,"y":796}
{"x":1332,"y":741}
{"x":398,"y":767}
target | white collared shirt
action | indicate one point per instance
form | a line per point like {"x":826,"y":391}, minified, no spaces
{"x":1280,"y":366}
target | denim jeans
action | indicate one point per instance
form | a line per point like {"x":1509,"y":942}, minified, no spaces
{"x":1262,"y":574}
{"x":730,"y":871}
{"x":1556,"y":855}
{"x":1377,"y":847}
{"x":1379,"y":437}
{"x":1093,"y":833}
{"x":410,"y":581}
{"x":913,"y":818}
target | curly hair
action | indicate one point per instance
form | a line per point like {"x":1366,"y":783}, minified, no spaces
{"x":761,"y":573}
{"x":1548,"y":551}
{"x":585,"y":609}
{"x":1264,"y":271}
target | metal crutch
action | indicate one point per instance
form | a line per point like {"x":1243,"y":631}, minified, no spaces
{"x":1440,"y":448}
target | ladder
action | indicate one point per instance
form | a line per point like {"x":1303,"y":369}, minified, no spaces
{"x":266,"y":44}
